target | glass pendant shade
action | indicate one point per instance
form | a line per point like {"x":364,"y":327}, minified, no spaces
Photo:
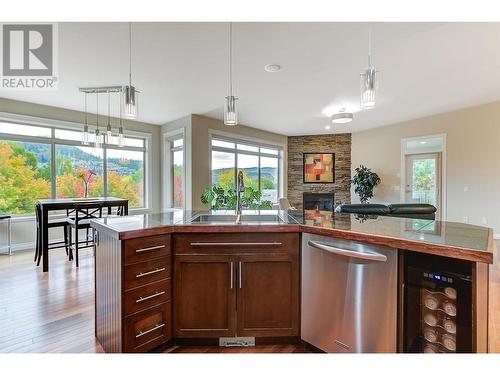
{"x":368,"y":88}
{"x":98,"y":139}
{"x":230,"y":112}
{"x":131,"y":102}
{"x":121,"y":141}
{"x":85,"y":135}
{"x":109,"y":134}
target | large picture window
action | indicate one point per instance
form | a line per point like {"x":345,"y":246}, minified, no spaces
{"x":42,"y":162}
{"x":260,"y":166}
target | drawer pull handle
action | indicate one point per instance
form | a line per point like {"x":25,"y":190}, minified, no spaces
{"x":236,"y":244}
{"x":141,"y":333}
{"x":149,"y":248}
{"x":142,"y":274}
{"x":142,"y":299}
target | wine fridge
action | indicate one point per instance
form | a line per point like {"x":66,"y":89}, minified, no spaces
{"x":437,"y":305}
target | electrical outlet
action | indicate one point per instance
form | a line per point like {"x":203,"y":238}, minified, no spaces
{"x":466,"y":189}
{"x":466,"y":219}
{"x":484,"y":221}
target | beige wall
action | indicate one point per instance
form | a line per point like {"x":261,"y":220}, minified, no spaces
{"x":472,"y":160}
{"x":23,"y":229}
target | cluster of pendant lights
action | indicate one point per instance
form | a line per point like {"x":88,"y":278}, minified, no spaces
{"x":368,"y":93}
{"x":368,"y":89}
{"x":128,"y":98}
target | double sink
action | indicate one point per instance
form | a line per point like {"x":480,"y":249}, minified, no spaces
{"x":216,"y":218}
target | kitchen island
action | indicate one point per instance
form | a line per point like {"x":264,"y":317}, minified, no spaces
{"x":199,"y":277}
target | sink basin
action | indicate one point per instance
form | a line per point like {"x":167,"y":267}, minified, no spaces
{"x":232,"y":219}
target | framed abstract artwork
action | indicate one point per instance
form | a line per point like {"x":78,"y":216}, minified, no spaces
{"x":319,"y":168}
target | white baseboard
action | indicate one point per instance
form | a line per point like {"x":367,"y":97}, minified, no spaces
{"x":19,"y":247}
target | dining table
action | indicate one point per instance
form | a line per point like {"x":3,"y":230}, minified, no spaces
{"x":58,"y":204}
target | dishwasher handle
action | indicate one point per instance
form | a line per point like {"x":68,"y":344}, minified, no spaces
{"x":376,"y":257}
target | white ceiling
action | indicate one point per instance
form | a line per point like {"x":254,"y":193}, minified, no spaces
{"x":181,"y":68}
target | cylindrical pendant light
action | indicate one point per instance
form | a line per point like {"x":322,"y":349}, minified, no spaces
{"x":131,"y":94}
{"x":98,"y":135}
{"x":369,"y":80}
{"x":109,"y":130}
{"x":121,"y":141}
{"x":230,"y":110}
{"x":85,"y":132}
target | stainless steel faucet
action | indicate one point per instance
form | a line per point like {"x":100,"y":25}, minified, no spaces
{"x":239,"y":189}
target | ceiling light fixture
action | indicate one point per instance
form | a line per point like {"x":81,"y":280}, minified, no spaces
{"x":85,"y":133}
{"x":369,"y":80}
{"x":272,"y":68}
{"x":98,"y":135}
{"x":131,"y":94}
{"x":342,"y":117}
{"x":230,"y":110}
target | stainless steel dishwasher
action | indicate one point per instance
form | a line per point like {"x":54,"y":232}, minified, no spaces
{"x":349,"y":295}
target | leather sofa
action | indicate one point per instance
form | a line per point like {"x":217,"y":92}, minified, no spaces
{"x":409,"y":210}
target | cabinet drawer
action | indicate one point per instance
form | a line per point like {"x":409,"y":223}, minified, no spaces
{"x":143,"y":273}
{"x":148,"y":329}
{"x":229,"y":243}
{"x":146,"y":296}
{"x":141,"y":249}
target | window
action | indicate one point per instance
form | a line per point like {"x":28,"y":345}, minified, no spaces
{"x":42,"y":162}
{"x":176,"y":173}
{"x":260,"y":166}
{"x":125,"y":176}
{"x":25,"y":175}
{"x":75,"y":162}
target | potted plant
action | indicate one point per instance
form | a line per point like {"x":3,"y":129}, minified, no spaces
{"x":364,"y":182}
{"x":218,"y":199}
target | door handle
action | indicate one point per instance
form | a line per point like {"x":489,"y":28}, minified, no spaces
{"x":240,"y":272}
{"x":376,"y":257}
{"x":232,"y":273}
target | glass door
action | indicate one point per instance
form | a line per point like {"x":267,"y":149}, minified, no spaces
{"x":423,"y":179}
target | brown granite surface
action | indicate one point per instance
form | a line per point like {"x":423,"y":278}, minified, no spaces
{"x":455,"y":240}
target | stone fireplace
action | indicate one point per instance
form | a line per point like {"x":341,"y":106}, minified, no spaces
{"x":318,"y":207}
{"x":340,"y":145}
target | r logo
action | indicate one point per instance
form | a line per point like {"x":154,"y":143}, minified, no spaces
{"x":27,"y":50}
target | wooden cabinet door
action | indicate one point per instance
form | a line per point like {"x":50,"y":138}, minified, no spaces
{"x":204,"y":296}
{"x":268,"y":295}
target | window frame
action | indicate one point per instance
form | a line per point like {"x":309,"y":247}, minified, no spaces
{"x":168,"y":140}
{"x":53,"y":141}
{"x":254,"y":143}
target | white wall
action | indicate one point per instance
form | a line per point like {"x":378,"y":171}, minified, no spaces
{"x":23,"y":229}
{"x":473,"y":160}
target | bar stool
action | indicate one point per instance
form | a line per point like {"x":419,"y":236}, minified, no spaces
{"x":84,"y":212}
{"x":58,"y":223}
{"x":9,"y":232}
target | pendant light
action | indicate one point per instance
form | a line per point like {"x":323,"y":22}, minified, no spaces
{"x":131,"y":94}
{"x":109,"y":130}
{"x":121,"y":141}
{"x":230,"y":111}
{"x":342,"y":117}
{"x":369,"y":80}
{"x":85,"y":133}
{"x":98,"y":135}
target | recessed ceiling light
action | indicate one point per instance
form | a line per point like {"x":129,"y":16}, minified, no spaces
{"x":272,"y":68}
{"x":327,"y":127}
{"x":342,"y":117}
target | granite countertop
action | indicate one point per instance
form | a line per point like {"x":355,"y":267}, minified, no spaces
{"x":457,"y":240}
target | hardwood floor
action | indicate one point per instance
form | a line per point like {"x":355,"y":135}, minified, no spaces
{"x":54,"y":312}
